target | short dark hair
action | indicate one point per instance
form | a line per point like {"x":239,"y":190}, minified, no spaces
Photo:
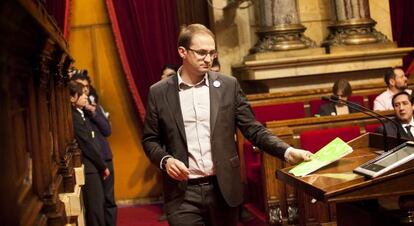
{"x":169,"y":66}
{"x":75,"y":88}
{"x":342,"y":85}
{"x":390,"y":74}
{"x":187,"y":32}
{"x":81,"y":75}
{"x":216,"y":62}
{"x":399,"y":94}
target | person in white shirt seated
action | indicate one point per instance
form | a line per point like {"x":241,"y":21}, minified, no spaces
{"x":396,"y":81}
{"x":403,"y":108}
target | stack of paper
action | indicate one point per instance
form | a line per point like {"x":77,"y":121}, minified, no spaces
{"x":333,"y":151}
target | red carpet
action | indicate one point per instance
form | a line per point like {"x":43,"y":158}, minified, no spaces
{"x":141,"y":215}
{"x":147,"y":215}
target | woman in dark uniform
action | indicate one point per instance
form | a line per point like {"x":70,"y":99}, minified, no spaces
{"x":95,"y":169}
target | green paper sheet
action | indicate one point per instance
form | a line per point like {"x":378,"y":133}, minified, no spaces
{"x":331,"y":152}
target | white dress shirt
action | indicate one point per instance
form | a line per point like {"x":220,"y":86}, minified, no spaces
{"x":195,"y":108}
{"x":383,"y":101}
{"x":409,"y":124}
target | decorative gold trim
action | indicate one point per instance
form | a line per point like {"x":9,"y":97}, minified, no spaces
{"x":281,"y":38}
{"x":352,"y":33}
{"x":356,"y":21}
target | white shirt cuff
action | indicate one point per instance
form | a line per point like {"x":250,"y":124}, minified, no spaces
{"x":167,"y":156}
{"x":288,"y":150}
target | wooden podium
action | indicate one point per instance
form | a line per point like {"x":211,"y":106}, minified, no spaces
{"x":355,"y":197}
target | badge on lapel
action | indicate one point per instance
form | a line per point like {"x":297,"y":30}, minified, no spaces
{"x":217,"y":83}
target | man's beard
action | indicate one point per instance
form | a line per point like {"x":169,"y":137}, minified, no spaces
{"x":402,"y":88}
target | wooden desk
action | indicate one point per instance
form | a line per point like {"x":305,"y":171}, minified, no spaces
{"x":351,"y":193}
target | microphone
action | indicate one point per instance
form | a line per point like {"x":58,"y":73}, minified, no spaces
{"x":367,"y":111}
{"x":397,"y":126}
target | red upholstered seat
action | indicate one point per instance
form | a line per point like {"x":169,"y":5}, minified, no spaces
{"x":371,"y":99}
{"x":254,"y":191}
{"x":252,"y":159}
{"x":266,"y":113}
{"x":314,"y":140}
{"x":357,"y":99}
{"x":372,"y":127}
{"x":315,"y":105}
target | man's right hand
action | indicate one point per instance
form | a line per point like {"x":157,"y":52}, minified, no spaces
{"x":106,"y":173}
{"x":91,"y":108}
{"x":177,"y":169}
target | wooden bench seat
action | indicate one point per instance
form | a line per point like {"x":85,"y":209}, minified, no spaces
{"x":304,"y":103}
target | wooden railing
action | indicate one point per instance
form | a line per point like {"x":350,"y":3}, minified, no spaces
{"x":311,"y":94}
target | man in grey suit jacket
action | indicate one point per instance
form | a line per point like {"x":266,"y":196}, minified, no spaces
{"x":189,"y":132}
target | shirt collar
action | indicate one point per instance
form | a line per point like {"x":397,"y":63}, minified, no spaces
{"x":392,"y":93}
{"x":406,"y":124}
{"x":81,"y":112}
{"x":182,"y":84}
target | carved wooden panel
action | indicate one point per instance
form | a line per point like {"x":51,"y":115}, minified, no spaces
{"x":37,"y":150}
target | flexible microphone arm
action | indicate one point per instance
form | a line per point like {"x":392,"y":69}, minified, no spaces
{"x":357,"y":107}
{"x":349,"y":103}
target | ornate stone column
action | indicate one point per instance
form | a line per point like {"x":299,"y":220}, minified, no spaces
{"x":279,"y":26}
{"x":352,"y":24}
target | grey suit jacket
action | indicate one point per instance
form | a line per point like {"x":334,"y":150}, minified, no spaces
{"x":392,"y":130}
{"x":164,"y":134}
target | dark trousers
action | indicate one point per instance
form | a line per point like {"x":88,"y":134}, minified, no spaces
{"x":203,"y":205}
{"x":93,"y":196}
{"x":110,"y":205}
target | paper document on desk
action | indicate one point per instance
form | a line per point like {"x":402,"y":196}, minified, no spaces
{"x":333,"y":151}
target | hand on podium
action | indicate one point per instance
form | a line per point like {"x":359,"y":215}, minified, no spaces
{"x":294,"y":155}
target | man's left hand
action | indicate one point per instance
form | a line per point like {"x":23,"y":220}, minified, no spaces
{"x":295,"y":155}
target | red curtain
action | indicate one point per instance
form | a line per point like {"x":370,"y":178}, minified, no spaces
{"x":59,"y":10}
{"x":146,"y":38}
{"x":402,"y":20}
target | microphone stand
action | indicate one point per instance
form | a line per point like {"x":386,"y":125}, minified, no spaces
{"x":397,"y":126}
{"x":357,"y":107}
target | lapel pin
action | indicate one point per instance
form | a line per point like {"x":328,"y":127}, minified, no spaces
{"x":216,"y":83}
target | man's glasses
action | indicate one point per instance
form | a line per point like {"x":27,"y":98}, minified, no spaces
{"x":202,"y":53}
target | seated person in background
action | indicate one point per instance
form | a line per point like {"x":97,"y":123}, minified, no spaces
{"x":403,"y":108}
{"x":396,"y":82}
{"x":215,"y":66}
{"x":168,"y":70}
{"x":343,"y":90}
